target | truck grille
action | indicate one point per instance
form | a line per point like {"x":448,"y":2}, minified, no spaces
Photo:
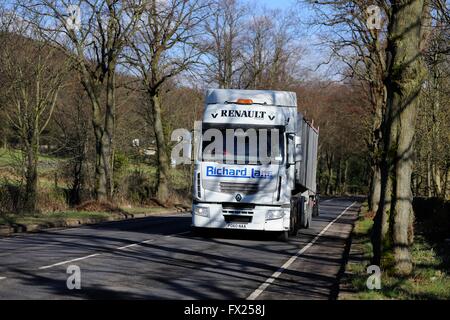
{"x":237,"y":208}
{"x":232,"y":187}
{"x":236,"y":212}
{"x":244,"y":219}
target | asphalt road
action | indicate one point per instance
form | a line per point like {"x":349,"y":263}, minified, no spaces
{"x":159,"y":258}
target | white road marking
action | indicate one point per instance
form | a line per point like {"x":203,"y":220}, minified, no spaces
{"x":69,"y":261}
{"x":135,"y":244}
{"x":151,"y":240}
{"x":97,"y":254}
{"x":2,"y":278}
{"x":255,"y":294}
{"x":128,"y":246}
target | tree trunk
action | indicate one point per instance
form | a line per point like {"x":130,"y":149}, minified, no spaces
{"x":102,"y":139}
{"x":337,"y":182}
{"x":101,"y":158}
{"x":377,"y":147}
{"x":110,"y":125}
{"x":406,"y":74}
{"x":429,"y":188}
{"x":445,"y":188}
{"x":345,"y":184}
{"x":162,"y":188}
{"x":31,"y":177}
{"x":437,"y":185}
{"x":329,"y":164}
{"x":375,"y":189}
{"x":381,"y":220}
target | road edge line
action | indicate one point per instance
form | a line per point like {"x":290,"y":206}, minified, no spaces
{"x":255,"y":294}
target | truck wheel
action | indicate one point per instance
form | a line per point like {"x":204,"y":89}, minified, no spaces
{"x":316,"y":208}
{"x":283,"y":236}
{"x":293,"y":228}
{"x":304,"y":219}
{"x":309,"y":219}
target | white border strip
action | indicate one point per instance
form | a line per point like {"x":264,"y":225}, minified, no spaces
{"x":69,"y":261}
{"x":255,"y":294}
{"x":97,"y":254}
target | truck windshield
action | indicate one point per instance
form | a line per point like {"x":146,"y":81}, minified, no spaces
{"x":240,"y":145}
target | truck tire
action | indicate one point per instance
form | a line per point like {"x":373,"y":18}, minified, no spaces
{"x":304,"y":223}
{"x":283,"y":236}
{"x":294,"y":223}
{"x":316,"y":208}
{"x":309,"y":218}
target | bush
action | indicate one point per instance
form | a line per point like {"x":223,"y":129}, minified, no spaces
{"x":135,"y":188}
{"x":52,"y":200}
{"x":9,"y":197}
{"x":433,"y":215}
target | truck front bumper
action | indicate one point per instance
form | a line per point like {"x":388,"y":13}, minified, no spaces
{"x":216,"y":218}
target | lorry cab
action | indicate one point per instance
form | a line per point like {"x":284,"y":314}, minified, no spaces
{"x":245,"y":162}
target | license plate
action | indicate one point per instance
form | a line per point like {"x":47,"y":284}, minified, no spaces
{"x":236,"y":226}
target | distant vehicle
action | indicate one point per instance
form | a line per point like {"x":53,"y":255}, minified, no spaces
{"x":233,"y":187}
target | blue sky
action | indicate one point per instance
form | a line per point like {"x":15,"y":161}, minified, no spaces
{"x":281,"y":4}
{"x":313,"y":55}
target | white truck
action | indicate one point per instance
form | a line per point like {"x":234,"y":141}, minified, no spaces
{"x":233,"y":187}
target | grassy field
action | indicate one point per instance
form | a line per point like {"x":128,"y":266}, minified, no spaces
{"x":10,"y":158}
{"x":47,"y":165}
{"x":133,"y":181}
{"x":429,"y":280}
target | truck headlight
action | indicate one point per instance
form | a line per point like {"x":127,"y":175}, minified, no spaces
{"x":201,"y":211}
{"x":274,"y":214}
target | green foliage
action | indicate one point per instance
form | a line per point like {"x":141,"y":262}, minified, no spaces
{"x":429,"y":280}
{"x":139,"y":187}
{"x":121,"y":163}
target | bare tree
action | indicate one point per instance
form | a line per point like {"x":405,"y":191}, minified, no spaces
{"x":433,"y":155}
{"x":358,"y":37}
{"x":270,"y":51}
{"x":164,"y":47}
{"x":359,"y":43}
{"x":224,"y":31}
{"x":34,"y":73}
{"x":93,"y":35}
{"x":73,"y":138}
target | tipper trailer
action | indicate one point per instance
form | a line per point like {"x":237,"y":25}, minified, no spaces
{"x":255,"y":163}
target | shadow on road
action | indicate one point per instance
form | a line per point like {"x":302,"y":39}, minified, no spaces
{"x":227,"y":264}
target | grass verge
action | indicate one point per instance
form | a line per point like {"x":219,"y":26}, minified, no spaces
{"x":71,"y":218}
{"x":429,"y":280}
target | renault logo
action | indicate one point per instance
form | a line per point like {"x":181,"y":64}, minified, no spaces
{"x":238,"y":197}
